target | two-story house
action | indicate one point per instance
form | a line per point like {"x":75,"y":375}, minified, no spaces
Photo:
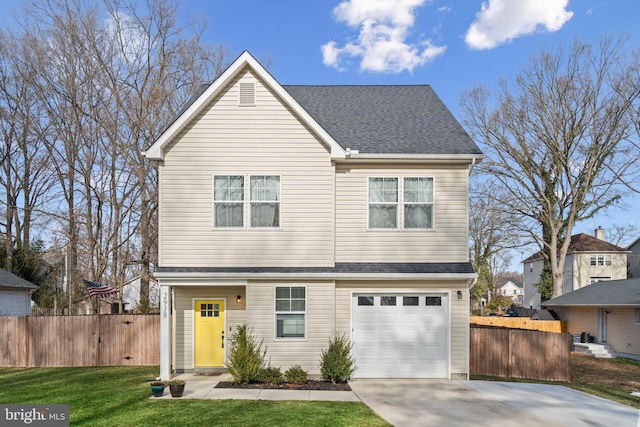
{"x":310,"y":212}
{"x":589,"y":259}
{"x":512,"y":288}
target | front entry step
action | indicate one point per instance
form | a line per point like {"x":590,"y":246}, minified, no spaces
{"x":596,"y":350}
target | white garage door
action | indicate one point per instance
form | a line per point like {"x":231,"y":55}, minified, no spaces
{"x":401,"y":335}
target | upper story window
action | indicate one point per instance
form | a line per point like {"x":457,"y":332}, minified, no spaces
{"x":265,"y":201}
{"x":230,"y":197}
{"x":228,"y":201}
{"x":600,"y":259}
{"x":413,"y":202}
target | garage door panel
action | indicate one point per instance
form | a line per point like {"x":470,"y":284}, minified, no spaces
{"x":401,"y":340}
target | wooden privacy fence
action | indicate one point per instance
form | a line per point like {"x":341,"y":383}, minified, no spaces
{"x":520,"y":354}
{"x":559,"y":326}
{"x":100,"y":340}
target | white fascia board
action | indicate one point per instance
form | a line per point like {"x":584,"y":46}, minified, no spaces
{"x":215,"y":278}
{"x":156,"y":151}
{"x":408,"y":158}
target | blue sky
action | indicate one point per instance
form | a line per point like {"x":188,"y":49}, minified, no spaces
{"x":451,"y":45}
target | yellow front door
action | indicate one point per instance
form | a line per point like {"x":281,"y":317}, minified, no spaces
{"x":209,"y":332}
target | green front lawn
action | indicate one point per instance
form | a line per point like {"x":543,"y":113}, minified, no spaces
{"x":119,"y":396}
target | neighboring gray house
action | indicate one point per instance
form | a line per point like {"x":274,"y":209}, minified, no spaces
{"x":309,"y":212}
{"x":589,"y":259}
{"x":15,"y":295}
{"x":633,"y":259}
{"x":609,"y":311}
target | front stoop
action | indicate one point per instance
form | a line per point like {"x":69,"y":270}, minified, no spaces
{"x":595,"y":350}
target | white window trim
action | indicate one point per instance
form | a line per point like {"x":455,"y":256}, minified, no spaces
{"x":276,"y":312}
{"x":213,"y":201}
{"x":607,"y":260}
{"x":400,"y":205}
{"x":246,"y":202}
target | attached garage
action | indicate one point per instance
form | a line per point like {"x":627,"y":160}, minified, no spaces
{"x":401,"y":335}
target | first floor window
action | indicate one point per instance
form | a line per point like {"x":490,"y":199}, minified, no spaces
{"x":228,"y":201}
{"x":290,"y":311}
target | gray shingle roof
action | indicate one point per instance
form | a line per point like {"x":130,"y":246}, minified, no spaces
{"x":583,"y":243}
{"x":340,"y":268}
{"x":603,"y":293}
{"x":385,"y":119}
{"x":10,"y":280}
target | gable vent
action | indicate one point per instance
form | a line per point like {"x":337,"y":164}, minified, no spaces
{"x":247,"y":94}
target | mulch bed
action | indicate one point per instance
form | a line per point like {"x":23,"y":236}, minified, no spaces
{"x":310,"y":385}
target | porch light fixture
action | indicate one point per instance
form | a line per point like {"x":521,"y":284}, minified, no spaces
{"x":239,"y":299}
{"x":459,"y":294}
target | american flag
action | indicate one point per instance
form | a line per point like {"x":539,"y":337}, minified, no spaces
{"x":98,"y":289}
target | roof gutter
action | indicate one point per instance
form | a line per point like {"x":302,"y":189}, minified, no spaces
{"x":197,"y":276}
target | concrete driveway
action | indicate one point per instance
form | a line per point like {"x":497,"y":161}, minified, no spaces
{"x":415,"y":402}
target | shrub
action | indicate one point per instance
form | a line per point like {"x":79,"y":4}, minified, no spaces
{"x":246,"y":356}
{"x":270,"y":375}
{"x":336,"y":363}
{"x":176,"y":381}
{"x":295,"y":375}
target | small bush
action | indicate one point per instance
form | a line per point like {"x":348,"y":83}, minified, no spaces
{"x":295,"y":375}
{"x":270,"y":375}
{"x":176,"y":381}
{"x":336,"y":363}
{"x":246,"y":356}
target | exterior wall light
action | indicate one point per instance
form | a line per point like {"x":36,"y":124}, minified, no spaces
{"x":459,"y":294}
{"x":239,"y":299}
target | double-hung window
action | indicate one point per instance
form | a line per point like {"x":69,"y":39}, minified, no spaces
{"x":291,"y":303}
{"x":410,"y":198}
{"x":418,"y":203}
{"x":383,"y":202}
{"x":228,"y":201}
{"x":265,"y":201}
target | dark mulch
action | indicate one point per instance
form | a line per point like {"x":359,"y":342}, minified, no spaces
{"x":310,"y":385}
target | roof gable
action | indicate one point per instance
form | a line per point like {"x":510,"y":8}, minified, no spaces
{"x":583,"y":243}
{"x":204,"y":94}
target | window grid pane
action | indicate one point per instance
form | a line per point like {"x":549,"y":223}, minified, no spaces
{"x":265,"y":201}
{"x":418,"y":203}
{"x":290,"y":311}
{"x":228,"y":196}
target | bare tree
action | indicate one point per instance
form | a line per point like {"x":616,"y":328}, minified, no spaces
{"x":560,"y":141}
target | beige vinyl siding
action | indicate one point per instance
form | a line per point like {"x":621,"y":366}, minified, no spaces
{"x":584,"y":271}
{"x":183,"y":317}
{"x":447,"y":242}
{"x":579,"y":319}
{"x":622,"y":333}
{"x":320,"y":323}
{"x":459,"y":311}
{"x":267,"y":139}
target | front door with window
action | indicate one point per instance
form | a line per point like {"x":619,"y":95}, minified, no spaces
{"x":208,"y":334}
{"x":603,"y":325}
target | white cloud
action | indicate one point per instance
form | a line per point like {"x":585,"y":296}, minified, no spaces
{"x":500,"y":21}
{"x":382,"y":41}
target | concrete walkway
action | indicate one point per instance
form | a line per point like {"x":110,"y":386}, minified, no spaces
{"x":424,"y":403}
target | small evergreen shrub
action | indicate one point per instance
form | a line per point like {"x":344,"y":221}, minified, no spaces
{"x":295,"y":375}
{"x":246,"y":356}
{"x":336,"y":363}
{"x":270,"y":375}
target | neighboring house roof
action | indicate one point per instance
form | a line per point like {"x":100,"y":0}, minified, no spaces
{"x":385,"y":119}
{"x":604,"y":293}
{"x":10,"y":280}
{"x":379,"y":270}
{"x":506,"y":280}
{"x":635,"y":242}
{"x":353,"y":121}
{"x":583,"y":243}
